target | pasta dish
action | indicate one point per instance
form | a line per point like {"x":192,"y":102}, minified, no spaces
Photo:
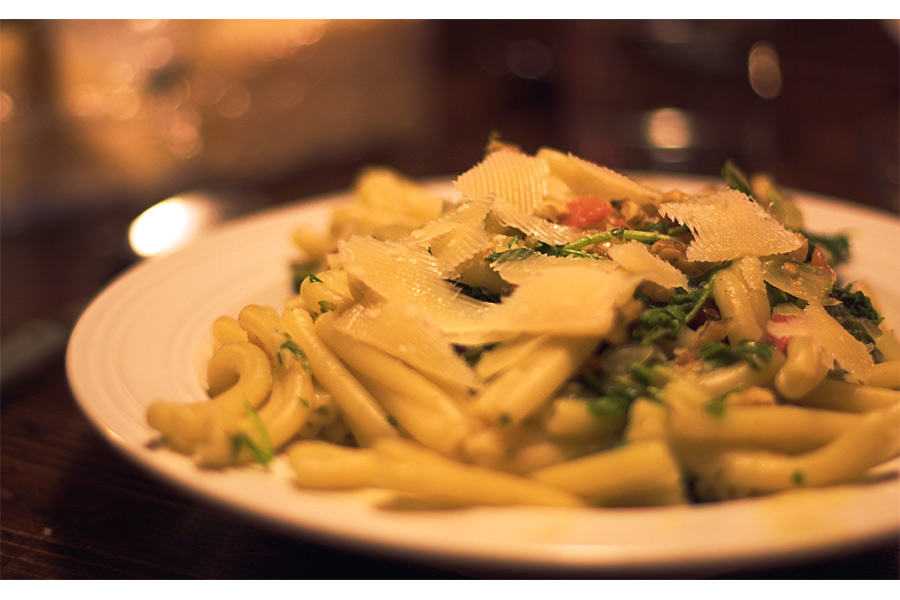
{"x":554,"y":333}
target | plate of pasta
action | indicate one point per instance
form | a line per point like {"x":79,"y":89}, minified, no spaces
{"x":541,"y":362}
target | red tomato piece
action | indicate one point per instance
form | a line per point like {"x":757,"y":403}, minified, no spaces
{"x":781,"y":342}
{"x":587,"y":211}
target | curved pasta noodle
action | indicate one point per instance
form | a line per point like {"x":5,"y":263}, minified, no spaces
{"x":525,"y":387}
{"x":253,"y":370}
{"x":641,"y":473}
{"x":786,"y":429}
{"x":803,"y":369}
{"x":366,"y":419}
{"x":875,"y":438}
{"x":240,"y":377}
{"x":422,"y":408}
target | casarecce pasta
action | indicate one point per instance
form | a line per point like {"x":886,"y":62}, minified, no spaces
{"x":555,"y":333}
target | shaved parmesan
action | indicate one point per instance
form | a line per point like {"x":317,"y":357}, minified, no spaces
{"x":728,"y":225}
{"x":404,"y":332}
{"x":456,"y":237}
{"x":567,"y":301}
{"x":801,"y":280}
{"x":404,"y":275}
{"x":537,"y":265}
{"x":636,"y":257}
{"x":836,"y":342}
{"x":537,"y":227}
{"x":585,"y":178}
{"x":523,"y":181}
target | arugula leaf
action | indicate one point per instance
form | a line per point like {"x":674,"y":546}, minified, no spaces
{"x":664,"y":322}
{"x":856,"y":302}
{"x":514,"y":254}
{"x":615,"y":394}
{"x":836,"y":246}
{"x":292,"y":346}
{"x":472,"y":354}
{"x":735,"y":177}
{"x":263,"y":452}
{"x":477,"y":292}
{"x":719,"y":354}
{"x":618,"y":233}
{"x":301,"y":271}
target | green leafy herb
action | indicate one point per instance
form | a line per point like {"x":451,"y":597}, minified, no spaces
{"x":263,"y":452}
{"x":511,"y":255}
{"x":615,"y":394}
{"x":837,"y":246}
{"x":326,"y":306}
{"x":719,"y":354}
{"x":301,"y":271}
{"x":477,"y":292}
{"x":856,"y":315}
{"x":715,"y":407}
{"x":617,"y":233}
{"x":798,"y":477}
{"x":472,"y":354}
{"x":664,"y":322}
{"x":735,"y":177}
{"x":856,"y":302}
{"x":292,"y":346}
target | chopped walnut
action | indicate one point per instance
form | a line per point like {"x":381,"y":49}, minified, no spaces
{"x":674,"y":253}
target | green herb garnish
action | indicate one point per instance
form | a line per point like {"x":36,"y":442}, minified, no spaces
{"x":292,"y":346}
{"x":719,"y":354}
{"x":264,"y":452}
{"x":664,"y":322}
{"x":836,"y":246}
{"x":735,"y":177}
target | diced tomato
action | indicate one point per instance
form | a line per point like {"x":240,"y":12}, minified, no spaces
{"x":818,"y":259}
{"x":781,"y":342}
{"x":587,"y":211}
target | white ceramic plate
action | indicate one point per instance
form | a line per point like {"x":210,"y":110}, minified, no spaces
{"x":147,"y":336}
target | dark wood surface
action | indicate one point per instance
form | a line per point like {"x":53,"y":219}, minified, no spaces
{"x":73,"y":508}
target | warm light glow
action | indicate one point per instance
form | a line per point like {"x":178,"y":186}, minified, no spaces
{"x":764,"y":70}
{"x":164,"y":226}
{"x":235,"y":102}
{"x":7,"y":107}
{"x":669,"y":128}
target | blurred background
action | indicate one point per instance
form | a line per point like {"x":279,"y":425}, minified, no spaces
{"x":101,"y":113}
{"x":101,"y":120}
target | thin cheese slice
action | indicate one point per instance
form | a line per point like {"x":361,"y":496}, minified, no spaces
{"x":398,"y":273}
{"x":537,"y":265}
{"x":404,"y":332}
{"x":456,"y":237}
{"x":728,"y":225}
{"x":566,"y":301}
{"x":814,"y":322}
{"x":585,"y":178}
{"x":534,"y":226}
{"x":511,"y":176}
{"x":636,"y":257}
